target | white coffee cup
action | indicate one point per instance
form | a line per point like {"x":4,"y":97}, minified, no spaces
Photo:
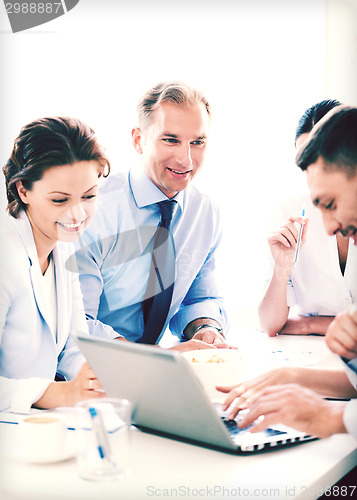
{"x":42,"y":436}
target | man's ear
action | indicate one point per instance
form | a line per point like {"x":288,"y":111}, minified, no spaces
{"x":22,"y":192}
{"x":136,"y":136}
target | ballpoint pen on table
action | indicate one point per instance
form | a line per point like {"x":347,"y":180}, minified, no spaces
{"x":298,"y":243}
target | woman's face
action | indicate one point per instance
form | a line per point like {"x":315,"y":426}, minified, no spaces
{"x":62,"y":203}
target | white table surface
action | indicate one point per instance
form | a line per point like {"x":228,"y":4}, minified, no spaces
{"x":162,"y":467}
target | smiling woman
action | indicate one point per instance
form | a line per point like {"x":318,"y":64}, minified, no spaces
{"x":51,"y":182}
{"x":61,"y":204}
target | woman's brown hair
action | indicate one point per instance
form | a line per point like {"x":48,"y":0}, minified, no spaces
{"x":46,"y":143}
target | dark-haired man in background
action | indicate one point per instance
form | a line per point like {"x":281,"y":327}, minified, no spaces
{"x":329,"y":158}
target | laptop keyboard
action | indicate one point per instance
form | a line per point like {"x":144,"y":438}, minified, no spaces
{"x":232,"y":427}
{"x":270,"y":437}
{"x":234,"y":430}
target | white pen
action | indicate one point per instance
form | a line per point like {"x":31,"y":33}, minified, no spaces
{"x":298,"y":243}
{"x":99,"y":429}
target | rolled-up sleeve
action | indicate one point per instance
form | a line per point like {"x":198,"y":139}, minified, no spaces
{"x":18,"y":395}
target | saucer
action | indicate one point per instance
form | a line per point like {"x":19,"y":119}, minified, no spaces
{"x":48,"y":458}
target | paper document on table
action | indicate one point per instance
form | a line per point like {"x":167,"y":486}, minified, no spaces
{"x":264,"y":353}
{"x":298,"y":350}
{"x":68,"y":414}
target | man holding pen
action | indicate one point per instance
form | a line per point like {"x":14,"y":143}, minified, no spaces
{"x":329,"y":158}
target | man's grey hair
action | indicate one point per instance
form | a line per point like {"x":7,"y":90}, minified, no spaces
{"x":178,"y":93}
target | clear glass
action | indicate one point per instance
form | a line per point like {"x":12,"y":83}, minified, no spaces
{"x":103,"y":438}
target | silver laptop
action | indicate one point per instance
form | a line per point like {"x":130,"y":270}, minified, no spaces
{"x":168,"y":399}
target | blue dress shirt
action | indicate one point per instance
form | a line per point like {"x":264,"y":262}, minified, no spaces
{"x":113,"y":257}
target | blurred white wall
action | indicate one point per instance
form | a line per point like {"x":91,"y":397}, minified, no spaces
{"x":341,"y":50}
{"x":261,"y":63}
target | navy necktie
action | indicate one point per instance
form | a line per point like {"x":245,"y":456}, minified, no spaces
{"x":157,"y":300}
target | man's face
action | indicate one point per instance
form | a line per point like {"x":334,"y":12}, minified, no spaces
{"x":173,"y":145}
{"x":336,"y":196}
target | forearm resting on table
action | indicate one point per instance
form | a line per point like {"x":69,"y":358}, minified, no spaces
{"x":273,"y":310}
{"x":306,"y":325}
{"x":84,"y":386}
{"x":54,"y":396}
{"x":329,"y":382}
{"x":319,"y":324}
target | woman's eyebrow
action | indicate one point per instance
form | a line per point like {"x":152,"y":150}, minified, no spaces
{"x":68,"y":194}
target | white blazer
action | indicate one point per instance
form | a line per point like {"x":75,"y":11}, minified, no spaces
{"x":30,"y":351}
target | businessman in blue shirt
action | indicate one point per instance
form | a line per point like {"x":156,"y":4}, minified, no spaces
{"x":113,"y":257}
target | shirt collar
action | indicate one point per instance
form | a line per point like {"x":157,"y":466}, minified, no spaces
{"x":145,"y":192}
